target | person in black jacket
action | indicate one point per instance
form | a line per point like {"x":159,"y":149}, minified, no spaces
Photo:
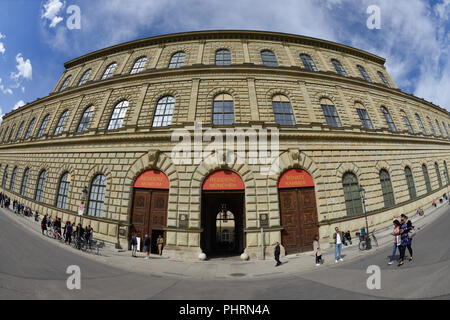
{"x":277,"y":253}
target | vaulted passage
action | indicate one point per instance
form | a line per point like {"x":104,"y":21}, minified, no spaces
{"x":298,"y":211}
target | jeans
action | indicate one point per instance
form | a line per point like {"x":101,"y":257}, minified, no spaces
{"x":337,"y":249}
{"x":393,"y":253}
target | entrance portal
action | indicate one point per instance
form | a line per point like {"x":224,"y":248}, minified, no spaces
{"x":223,"y":214}
{"x":149,"y":212}
{"x":298,"y":211}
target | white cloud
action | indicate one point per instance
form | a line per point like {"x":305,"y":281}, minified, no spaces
{"x":2,"y":48}
{"x":1,"y":115}
{"x":19,"y":104}
{"x":24,"y":68}
{"x":51,"y":10}
{"x":2,"y":36}
{"x":3,"y":89}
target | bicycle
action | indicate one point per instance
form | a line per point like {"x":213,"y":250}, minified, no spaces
{"x":366,"y":240}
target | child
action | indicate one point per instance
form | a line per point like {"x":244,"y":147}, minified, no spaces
{"x":317,"y":252}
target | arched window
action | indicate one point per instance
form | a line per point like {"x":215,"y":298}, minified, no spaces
{"x":43,"y":126}
{"x":446,"y":173}
{"x":426,"y":177}
{"x":330,"y":113}
{"x":30,"y":128}
{"x":11,"y":132}
{"x":177,"y":60}
{"x":419,"y":121}
{"x":118,"y":115}
{"x":223,"y":57}
{"x":269,"y":58}
{"x":438,"y":174}
{"x":445,"y":128}
{"x":223,"y":110}
{"x":139,"y":65}
{"x":63,"y":191}
{"x":109,"y":71}
{"x":84,"y":77}
{"x":65,"y":84}
{"x":4,"y":135}
{"x":19,"y":131}
{"x":23,"y":187}
{"x":40,"y":186}
{"x":283,"y":111}
{"x":364,"y":73}
{"x":407,"y":124}
{"x":85,"y":118}
{"x":339,"y":68}
{"x":352,"y":195}
{"x":410,"y":183}
{"x":308,"y":62}
{"x":430,"y":123}
{"x":439,"y":127}
{"x":386,"y":189}
{"x":383,"y":79}
{"x":164,"y":112}
{"x":97,"y":196}
{"x":62,"y":120}
{"x":364,"y":116}
{"x":5,"y":177}
{"x":388,"y":118}
{"x":13,"y":179}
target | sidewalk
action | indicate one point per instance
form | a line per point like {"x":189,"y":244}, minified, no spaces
{"x":231,"y":268}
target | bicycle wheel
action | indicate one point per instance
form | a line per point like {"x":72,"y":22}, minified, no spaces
{"x":362,"y":245}
{"x":374,"y":240}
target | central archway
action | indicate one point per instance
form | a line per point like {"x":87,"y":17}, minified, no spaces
{"x":223,"y":214}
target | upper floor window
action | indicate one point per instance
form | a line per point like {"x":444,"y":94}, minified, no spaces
{"x":223,"y":57}
{"x":84,"y":77}
{"x":383,"y":79}
{"x":386,"y":189}
{"x":339,"y":68}
{"x":330,"y":113}
{"x":408,"y":124}
{"x":438,"y":174}
{"x":5,"y":177}
{"x":23,"y":187}
{"x":11,"y":132}
{"x":410,"y":183}
{"x":365,"y":119}
{"x":63,"y":191}
{"x":13,"y":179}
{"x":388,"y":118}
{"x":164,"y":112}
{"x":352,"y":194}
{"x":61,"y":122}
{"x":65,"y":84}
{"x":118,"y":115}
{"x":445,"y":128}
{"x":4,"y":135}
{"x":283,"y":111}
{"x":426,"y":177}
{"x":223,"y":109}
{"x":97,"y":196}
{"x":364,"y":73}
{"x":19,"y":131}
{"x":439,"y":127}
{"x":139,"y":65}
{"x":419,"y":121}
{"x":269,"y":58}
{"x":43,"y":126}
{"x":85,"y":119}
{"x":308,"y":62}
{"x":40,"y":186}
{"x":430,"y":123}
{"x":109,"y":71}
{"x":446,"y":173}
{"x":177,"y":60}
{"x":30,"y":128}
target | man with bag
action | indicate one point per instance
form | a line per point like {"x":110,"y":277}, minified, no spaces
{"x":407,"y":232}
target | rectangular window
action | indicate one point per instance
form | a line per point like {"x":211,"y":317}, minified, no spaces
{"x":365,"y":119}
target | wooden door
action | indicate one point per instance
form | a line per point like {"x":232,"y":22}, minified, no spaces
{"x":141,"y":213}
{"x":158,"y":209}
{"x":290,"y":236}
{"x":308,"y":218}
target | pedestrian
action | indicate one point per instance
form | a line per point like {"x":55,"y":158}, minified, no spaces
{"x":420,"y":211}
{"x":396,"y":234}
{"x":405,"y":239}
{"x":434,"y":203}
{"x":147,"y":245}
{"x":44,"y":224}
{"x":133,"y":245}
{"x":277,"y":254}
{"x":347,"y":238}
{"x":69,"y":230}
{"x":317,"y":251}
{"x":338,"y":236}
{"x":160,"y":244}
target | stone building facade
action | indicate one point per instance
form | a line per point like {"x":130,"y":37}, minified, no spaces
{"x":340,"y":118}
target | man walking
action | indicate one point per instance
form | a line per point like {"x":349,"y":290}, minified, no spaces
{"x":147,"y":246}
{"x":338,"y":236}
{"x":160,"y":243}
{"x":277,"y":254}
{"x":133,"y":245}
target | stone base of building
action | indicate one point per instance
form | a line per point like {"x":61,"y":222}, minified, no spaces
{"x":182,"y":252}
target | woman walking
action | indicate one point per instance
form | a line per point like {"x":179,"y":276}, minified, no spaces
{"x":396,"y":235}
{"x":405,"y":239}
{"x":317,"y":252}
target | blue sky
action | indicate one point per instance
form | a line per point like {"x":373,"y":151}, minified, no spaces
{"x":35,"y":41}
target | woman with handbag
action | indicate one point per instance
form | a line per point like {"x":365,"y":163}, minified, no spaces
{"x":317,"y":252}
{"x":397,"y":240}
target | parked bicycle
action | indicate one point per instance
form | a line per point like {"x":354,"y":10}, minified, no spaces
{"x":367,"y":240}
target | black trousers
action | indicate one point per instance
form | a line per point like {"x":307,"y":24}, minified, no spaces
{"x":277,"y":259}
{"x":318,"y":258}
{"x":403,"y":250}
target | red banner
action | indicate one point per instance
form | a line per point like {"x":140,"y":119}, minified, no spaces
{"x":295,"y":178}
{"x":152,"y":179}
{"x":223,"y":180}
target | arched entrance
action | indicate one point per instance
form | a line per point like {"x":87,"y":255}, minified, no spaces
{"x":298,"y":211}
{"x":223,"y":194}
{"x":149,"y":212}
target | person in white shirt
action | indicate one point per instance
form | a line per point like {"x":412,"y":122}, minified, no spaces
{"x":338,"y":236}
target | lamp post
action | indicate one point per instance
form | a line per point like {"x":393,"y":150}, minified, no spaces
{"x":84,"y":195}
{"x":362,"y":193}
